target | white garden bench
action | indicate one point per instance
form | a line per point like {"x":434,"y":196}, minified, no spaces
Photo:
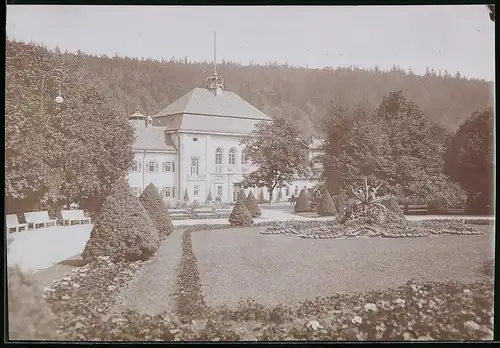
{"x":223,"y":212}
{"x":177,"y":213}
{"x":206,"y":212}
{"x":39,"y":218}
{"x":13,"y":224}
{"x":69,"y":216}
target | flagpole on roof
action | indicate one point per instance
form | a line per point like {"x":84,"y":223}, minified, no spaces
{"x":215,"y":52}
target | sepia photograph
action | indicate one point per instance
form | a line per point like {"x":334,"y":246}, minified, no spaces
{"x":249,"y":173}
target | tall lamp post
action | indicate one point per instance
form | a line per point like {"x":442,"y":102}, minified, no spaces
{"x":59,"y":73}
{"x":59,"y":76}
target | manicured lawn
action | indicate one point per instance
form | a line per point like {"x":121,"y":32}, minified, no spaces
{"x":237,"y":264}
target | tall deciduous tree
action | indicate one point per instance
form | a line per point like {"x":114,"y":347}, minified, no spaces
{"x":395,"y":145}
{"x":470,"y":161}
{"x":279,"y":152}
{"x":59,"y":154}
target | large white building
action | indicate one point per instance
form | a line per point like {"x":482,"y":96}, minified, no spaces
{"x":193,"y":146}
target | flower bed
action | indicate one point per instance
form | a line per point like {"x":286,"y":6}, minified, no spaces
{"x":334,"y":229}
{"x":426,"y":311}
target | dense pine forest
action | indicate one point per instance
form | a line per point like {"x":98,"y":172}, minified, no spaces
{"x":300,"y":94}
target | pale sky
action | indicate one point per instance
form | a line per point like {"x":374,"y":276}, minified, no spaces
{"x":440,"y":37}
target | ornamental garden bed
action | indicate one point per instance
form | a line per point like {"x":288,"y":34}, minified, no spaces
{"x":416,"y":310}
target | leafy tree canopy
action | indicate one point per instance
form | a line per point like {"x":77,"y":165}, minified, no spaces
{"x":59,"y":154}
{"x":279,"y":153}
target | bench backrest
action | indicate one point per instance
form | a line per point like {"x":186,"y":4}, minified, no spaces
{"x":72,"y":215}
{"x":203,"y":210}
{"x":37,"y":216}
{"x":12,"y":220}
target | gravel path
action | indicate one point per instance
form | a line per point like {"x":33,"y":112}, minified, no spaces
{"x":153,"y":289}
{"x":273,"y":269}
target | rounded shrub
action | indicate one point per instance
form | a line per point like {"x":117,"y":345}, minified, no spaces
{"x":123,"y":230}
{"x":302,"y":204}
{"x":326,"y":206}
{"x":252,"y":205}
{"x":157,"y":210}
{"x":240,"y":216}
{"x":392,"y":205}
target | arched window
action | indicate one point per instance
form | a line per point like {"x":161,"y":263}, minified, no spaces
{"x":243,"y":157}
{"x":218,"y":156}
{"x":232,"y":156}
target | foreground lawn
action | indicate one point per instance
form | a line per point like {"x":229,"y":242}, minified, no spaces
{"x":240,"y":263}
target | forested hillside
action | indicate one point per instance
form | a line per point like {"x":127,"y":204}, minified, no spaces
{"x":303,"y":95}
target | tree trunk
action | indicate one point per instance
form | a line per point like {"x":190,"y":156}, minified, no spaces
{"x":270,"y":195}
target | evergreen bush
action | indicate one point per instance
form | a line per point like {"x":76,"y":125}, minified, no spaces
{"x":261,"y":195}
{"x":209,"y":197}
{"x":252,"y":205}
{"x":186,"y":196}
{"x":340,"y":201}
{"x":302,"y":204}
{"x":240,"y":216}
{"x":123,"y":230}
{"x":157,"y":210}
{"x":326,"y":206}
{"x":243,"y":196}
{"x":392,"y":205}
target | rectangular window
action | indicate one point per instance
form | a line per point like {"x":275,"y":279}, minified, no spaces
{"x":137,"y":191}
{"x":168,"y":192}
{"x":194,"y":165}
{"x":219,"y":190}
{"x":173,"y":191}
{"x":287,"y":193}
{"x":168,"y":167}
{"x":195,"y":139}
{"x":296,"y":191}
{"x":218,"y":169}
{"x":152,"y":166}
{"x":173,"y":166}
{"x":196,"y":190}
{"x":136,"y":167}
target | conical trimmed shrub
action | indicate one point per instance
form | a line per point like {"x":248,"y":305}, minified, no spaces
{"x":240,"y":216}
{"x":252,"y":205}
{"x":123,"y":230}
{"x":302,"y":204}
{"x":209,"y":197}
{"x":340,"y":201}
{"x":243,"y":196}
{"x":326,"y":206}
{"x":261,"y":195}
{"x":157,"y":210}
{"x":186,"y":196}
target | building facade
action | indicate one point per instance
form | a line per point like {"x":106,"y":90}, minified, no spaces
{"x":192,"y":147}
